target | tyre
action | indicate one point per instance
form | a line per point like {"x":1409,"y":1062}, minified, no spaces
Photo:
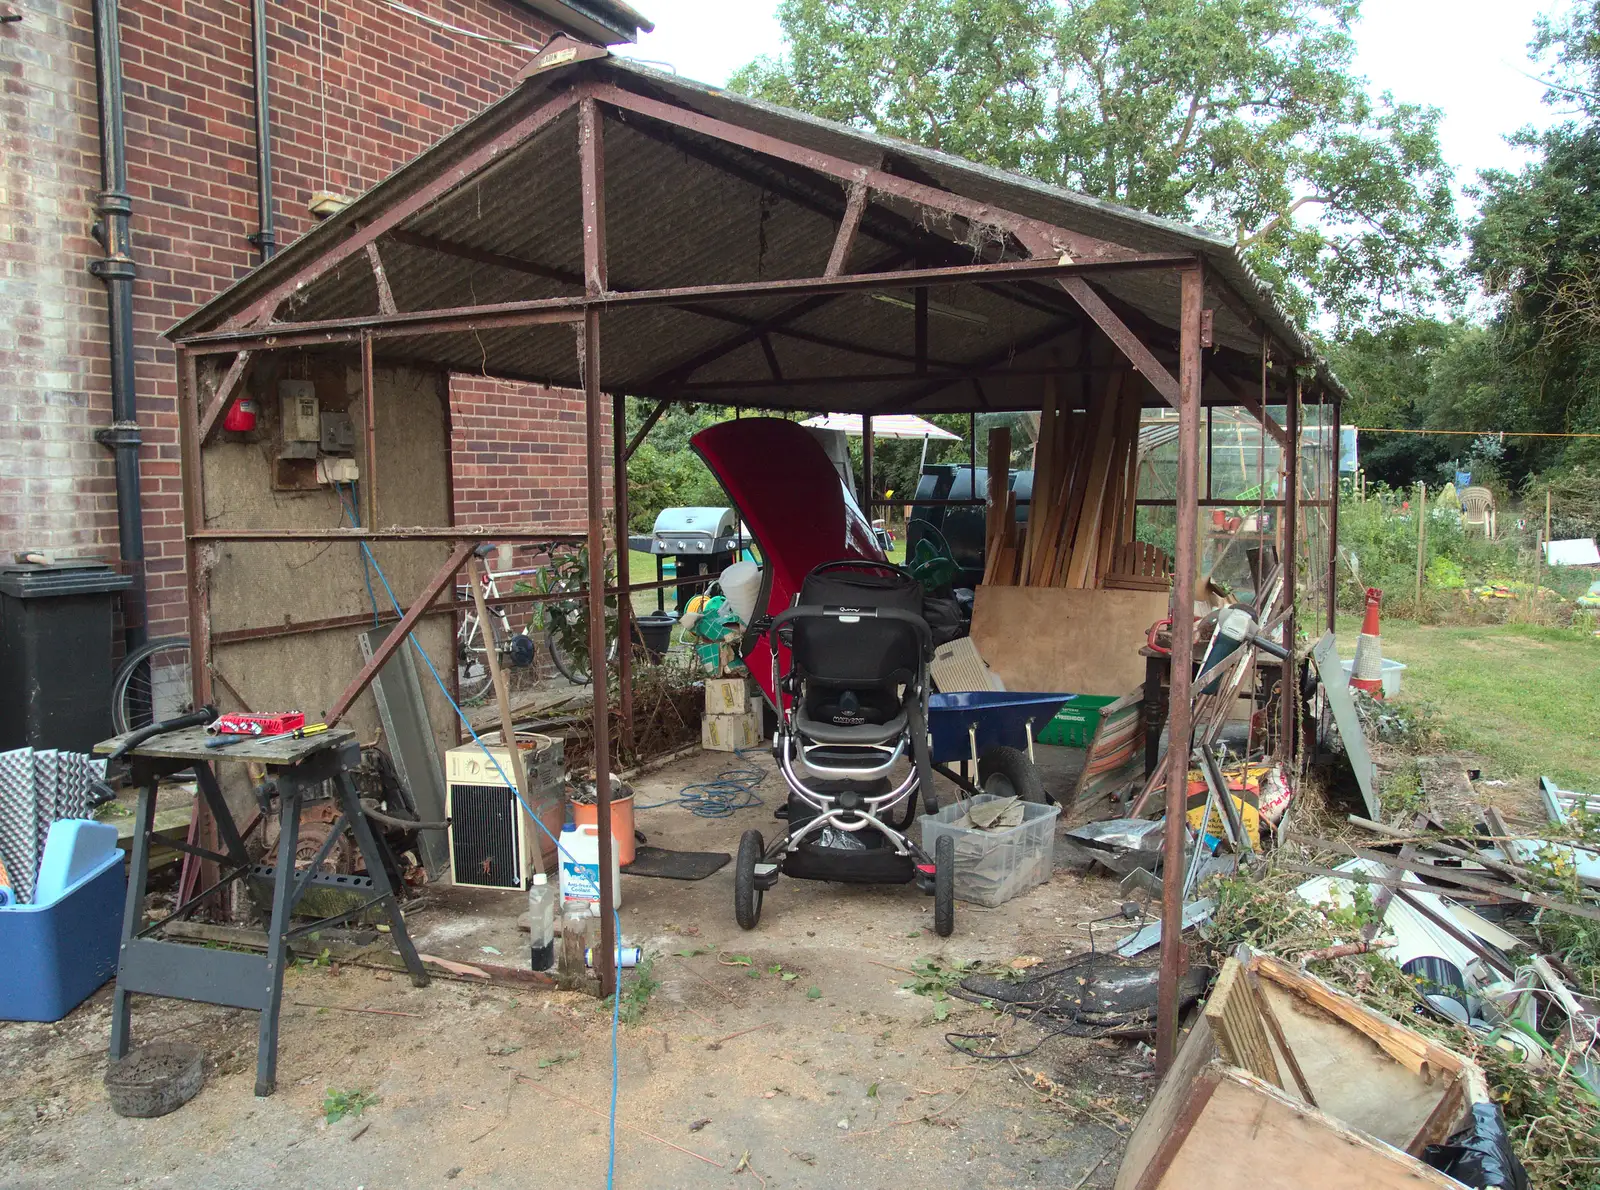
{"x":944,"y":886}
{"x":152,"y":685}
{"x":746,"y":896}
{"x":473,"y":678}
{"x":1007,"y":772}
{"x":573,"y":667}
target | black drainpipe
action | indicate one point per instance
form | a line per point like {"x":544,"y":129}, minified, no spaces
{"x":266,"y":238}
{"x":116,"y":269}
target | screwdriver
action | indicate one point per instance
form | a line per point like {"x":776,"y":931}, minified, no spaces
{"x":299,"y":733}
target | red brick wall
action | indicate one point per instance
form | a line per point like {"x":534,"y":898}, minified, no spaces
{"x":384,"y":86}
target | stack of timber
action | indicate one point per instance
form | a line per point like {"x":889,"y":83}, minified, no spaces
{"x":1080,"y":530}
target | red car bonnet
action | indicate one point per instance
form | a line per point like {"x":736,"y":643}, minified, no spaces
{"x":796,"y":506}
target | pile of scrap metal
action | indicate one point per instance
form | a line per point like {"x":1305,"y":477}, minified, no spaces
{"x":1470,"y":963}
{"x":1286,"y":1082}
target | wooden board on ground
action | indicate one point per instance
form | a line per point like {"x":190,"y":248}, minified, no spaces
{"x":1384,"y":1092}
{"x":1057,"y":638}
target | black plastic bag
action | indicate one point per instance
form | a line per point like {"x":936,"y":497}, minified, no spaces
{"x":1481,"y":1155}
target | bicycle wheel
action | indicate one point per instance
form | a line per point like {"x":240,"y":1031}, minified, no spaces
{"x":573,"y":666}
{"x":152,"y":684}
{"x":472,"y":665}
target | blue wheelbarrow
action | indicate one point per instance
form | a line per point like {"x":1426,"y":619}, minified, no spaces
{"x":993,"y":730}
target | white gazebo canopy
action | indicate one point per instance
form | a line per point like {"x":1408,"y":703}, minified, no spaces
{"x":896,"y":425}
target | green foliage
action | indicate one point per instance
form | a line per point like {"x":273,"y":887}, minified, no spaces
{"x":336,"y":1105}
{"x":635,"y":992}
{"x":934,"y":979}
{"x":664,"y":471}
{"x":1245,"y":115}
{"x":1380,"y":535}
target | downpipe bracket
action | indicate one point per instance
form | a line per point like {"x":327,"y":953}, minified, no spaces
{"x":120,"y":435}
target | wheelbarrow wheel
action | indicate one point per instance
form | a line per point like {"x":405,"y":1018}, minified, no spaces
{"x":746,"y":896}
{"x":1007,"y":772}
{"x":944,"y":886}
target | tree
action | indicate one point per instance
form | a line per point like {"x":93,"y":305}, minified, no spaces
{"x":1536,"y":249}
{"x":1242,"y":115}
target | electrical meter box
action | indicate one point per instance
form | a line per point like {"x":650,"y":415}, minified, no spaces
{"x":300,"y":411}
{"x":338,"y":433}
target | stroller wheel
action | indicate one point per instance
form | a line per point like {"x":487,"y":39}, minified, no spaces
{"x":746,"y":896}
{"x":944,"y":886}
{"x":1007,"y":772}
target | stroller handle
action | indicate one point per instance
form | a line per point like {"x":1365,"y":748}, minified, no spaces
{"x":802,"y":611}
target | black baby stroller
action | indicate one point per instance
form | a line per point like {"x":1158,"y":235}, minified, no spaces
{"x":857,"y":706}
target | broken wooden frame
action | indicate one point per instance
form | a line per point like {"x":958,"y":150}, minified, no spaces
{"x":1053,"y":259}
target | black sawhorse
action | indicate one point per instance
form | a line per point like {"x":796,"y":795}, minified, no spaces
{"x":150,"y":965}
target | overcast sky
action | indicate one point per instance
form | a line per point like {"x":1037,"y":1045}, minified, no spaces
{"x":1463,"y":56}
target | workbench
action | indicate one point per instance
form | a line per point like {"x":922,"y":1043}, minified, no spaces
{"x":300,"y":771}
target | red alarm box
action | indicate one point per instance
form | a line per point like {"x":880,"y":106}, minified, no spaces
{"x":241,"y":415}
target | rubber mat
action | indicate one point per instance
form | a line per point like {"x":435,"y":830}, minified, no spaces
{"x":675,"y":865}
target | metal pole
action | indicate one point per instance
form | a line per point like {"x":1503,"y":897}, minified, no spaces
{"x":866,"y":465}
{"x":605,"y":965}
{"x":1333,"y":517}
{"x":116,"y":269}
{"x":591,"y":158}
{"x":619,"y":479}
{"x":1180,"y":718}
{"x":369,"y":480}
{"x":266,"y":237}
{"x":191,"y":480}
{"x":1289,"y":708}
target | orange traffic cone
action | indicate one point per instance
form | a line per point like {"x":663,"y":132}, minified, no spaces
{"x":1367,"y":672}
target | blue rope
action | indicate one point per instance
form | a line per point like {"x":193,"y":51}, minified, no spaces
{"x":616,"y":996}
{"x":729,"y":791}
{"x":366,"y":569}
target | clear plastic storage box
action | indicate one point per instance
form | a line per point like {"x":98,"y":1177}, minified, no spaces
{"x":994,"y":866}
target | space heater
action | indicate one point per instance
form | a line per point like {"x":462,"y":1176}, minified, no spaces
{"x":493,"y":839}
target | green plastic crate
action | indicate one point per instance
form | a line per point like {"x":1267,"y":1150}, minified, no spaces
{"x":1074,"y":724}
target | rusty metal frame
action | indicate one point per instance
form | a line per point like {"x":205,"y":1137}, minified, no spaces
{"x":1032,"y":253}
{"x":541,"y":311}
{"x":1180,"y":720}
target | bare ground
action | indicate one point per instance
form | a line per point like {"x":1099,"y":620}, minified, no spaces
{"x":733,"y":1077}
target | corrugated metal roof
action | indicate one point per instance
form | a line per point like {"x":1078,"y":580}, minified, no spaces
{"x":688,"y":209}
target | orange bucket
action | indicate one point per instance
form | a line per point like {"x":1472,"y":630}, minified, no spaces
{"x":588,"y":814}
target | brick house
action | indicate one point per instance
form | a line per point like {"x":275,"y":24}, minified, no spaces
{"x":354,"y":89}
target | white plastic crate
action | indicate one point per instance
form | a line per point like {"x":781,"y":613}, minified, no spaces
{"x":994,"y":866}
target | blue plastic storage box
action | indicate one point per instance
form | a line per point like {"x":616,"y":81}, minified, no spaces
{"x":56,"y":952}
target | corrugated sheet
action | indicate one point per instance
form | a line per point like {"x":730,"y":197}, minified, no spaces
{"x":685,"y":209}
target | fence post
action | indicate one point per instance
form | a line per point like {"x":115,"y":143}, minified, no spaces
{"x":1422,"y":541}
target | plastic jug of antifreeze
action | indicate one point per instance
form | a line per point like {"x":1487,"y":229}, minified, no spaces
{"x":580,"y":867}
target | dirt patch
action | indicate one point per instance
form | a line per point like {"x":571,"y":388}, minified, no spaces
{"x":732,"y":1067}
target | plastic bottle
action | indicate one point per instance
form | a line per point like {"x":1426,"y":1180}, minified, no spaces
{"x":542,"y":922}
{"x":575,"y":921}
{"x":580,"y":867}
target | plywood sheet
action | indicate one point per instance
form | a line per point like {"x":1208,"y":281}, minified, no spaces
{"x":1253,"y":1134}
{"x":1074,"y":641}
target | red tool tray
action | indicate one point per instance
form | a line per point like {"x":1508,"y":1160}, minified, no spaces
{"x":271,"y":724}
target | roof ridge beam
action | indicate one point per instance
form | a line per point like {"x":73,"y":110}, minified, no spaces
{"x":1072,"y":244}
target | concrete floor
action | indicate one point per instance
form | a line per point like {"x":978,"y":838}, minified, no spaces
{"x":735,"y":1076}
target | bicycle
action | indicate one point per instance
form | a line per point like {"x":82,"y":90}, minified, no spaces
{"x":558,"y":620}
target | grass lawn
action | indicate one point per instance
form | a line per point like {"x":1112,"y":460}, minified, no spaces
{"x":1525,"y":698}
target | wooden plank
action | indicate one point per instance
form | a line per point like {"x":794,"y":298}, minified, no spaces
{"x":1236,"y":1024}
{"x":1044,"y":469}
{"x":1275,"y":1027}
{"x":502,"y":698}
{"x":1086,"y":542}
